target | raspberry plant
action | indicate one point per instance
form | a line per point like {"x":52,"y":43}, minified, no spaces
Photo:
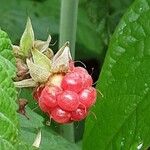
{"x":10,"y":130}
{"x":61,"y":89}
{"x":121,"y":116}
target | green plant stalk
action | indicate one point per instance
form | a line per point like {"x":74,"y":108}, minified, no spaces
{"x":68,"y":24}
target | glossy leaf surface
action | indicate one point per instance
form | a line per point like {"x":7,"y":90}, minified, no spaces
{"x":123,"y":114}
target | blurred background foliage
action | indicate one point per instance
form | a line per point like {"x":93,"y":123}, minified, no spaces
{"x":97,"y":20}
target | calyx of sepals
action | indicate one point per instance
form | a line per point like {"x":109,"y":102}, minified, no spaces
{"x":41,"y":67}
{"x":39,"y":58}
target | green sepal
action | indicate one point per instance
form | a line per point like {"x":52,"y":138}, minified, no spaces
{"x":37,"y":72}
{"x":42,"y":60}
{"x":27,"y":40}
{"x":42,"y":45}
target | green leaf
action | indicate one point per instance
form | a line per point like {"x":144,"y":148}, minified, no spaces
{"x":4,"y":144}
{"x":5,"y":48}
{"x":34,"y":121}
{"x":8,"y":117}
{"x":10,"y":68}
{"x":122,"y":115}
{"x":49,"y":139}
{"x":7,"y":84}
{"x":30,"y":127}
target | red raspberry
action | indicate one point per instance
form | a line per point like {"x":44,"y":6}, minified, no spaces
{"x":68,"y":100}
{"x":37,"y":92}
{"x":80,"y":70}
{"x":47,"y":100}
{"x":60,"y":116}
{"x":56,"y":80}
{"x":78,"y":114}
{"x":87,"y":97}
{"x":72,"y":81}
{"x":86,"y":78}
{"x":67,"y":97}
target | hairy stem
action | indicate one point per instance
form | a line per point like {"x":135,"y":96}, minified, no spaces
{"x":68,"y":24}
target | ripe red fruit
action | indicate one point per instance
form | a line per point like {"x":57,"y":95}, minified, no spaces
{"x":87,"y":97}
{"x":87,"y":81}
{"x":66,"y":97}
{"x":78,"y":114}
{"x":60,"y":116}
{"x":72,"y":81}
{"x":80,"y":70}
{"x":86,"y":78}
{"x":47,"y":99}
{"x":56,"y":79}
{"x":68,"y":100}
{"x":37,"y":92}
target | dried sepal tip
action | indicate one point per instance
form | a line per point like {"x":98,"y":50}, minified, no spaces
{"x":61,"y":60}
{"x":37,"y":140}
{"x":42,"y":45}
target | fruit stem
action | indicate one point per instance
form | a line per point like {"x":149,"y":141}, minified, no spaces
{"x":68,"y":24}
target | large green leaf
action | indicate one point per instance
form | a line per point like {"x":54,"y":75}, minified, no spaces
{"x":49,"y":139}
{"x":7,"y":59}
{"x":34,"y":121}
{"x":123,"y":115}
{"x":9,"y":133}
{"x":8,"y":117}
